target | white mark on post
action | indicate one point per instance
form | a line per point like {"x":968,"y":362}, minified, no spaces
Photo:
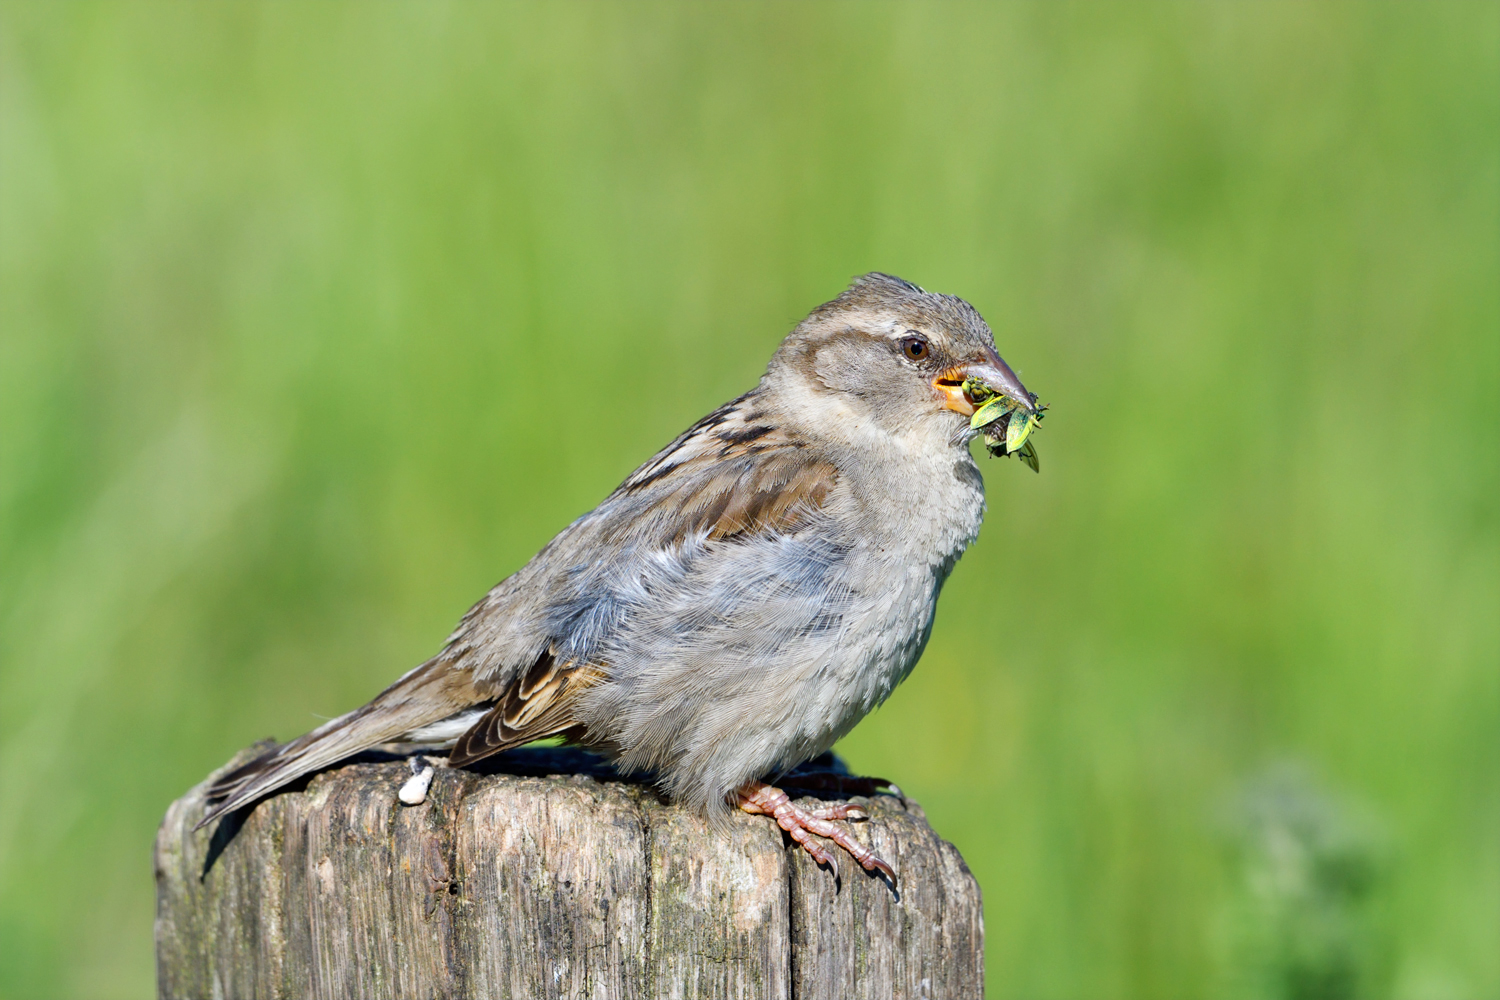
{"x":414,"y":792}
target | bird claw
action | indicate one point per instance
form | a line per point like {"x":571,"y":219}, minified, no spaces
{"x":843,"y":811}
{"x":759,"y":798}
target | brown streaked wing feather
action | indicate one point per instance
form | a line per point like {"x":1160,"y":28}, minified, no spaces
{"x":775,"y":497}
{"x":538,"y":704}
{"x":734,"y":472}
{"x":746,"y":497}
{"x":721,"y":427}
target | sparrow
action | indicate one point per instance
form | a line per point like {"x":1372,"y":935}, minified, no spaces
{"x":744,"y":598}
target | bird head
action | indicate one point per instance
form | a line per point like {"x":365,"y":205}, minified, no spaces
{"x":900,"y":360}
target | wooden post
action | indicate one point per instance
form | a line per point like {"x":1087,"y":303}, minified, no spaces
{"x":547,"y":876}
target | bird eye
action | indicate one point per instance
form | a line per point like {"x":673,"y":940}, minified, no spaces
{"x":915,"y":348}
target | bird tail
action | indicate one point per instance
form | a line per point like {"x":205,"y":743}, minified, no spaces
{"x":433,"y":691}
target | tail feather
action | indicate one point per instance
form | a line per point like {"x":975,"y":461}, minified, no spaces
{"x":433,"y":691}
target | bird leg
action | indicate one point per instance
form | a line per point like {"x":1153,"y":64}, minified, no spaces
{"x":762,"y":799}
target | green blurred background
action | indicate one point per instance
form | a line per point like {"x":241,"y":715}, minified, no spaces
{"x":1212,"y":708}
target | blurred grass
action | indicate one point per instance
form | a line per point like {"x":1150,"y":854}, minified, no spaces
{"x":284,"y":290}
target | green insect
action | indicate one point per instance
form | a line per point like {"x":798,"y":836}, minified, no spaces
{"x":977,"y":390}
{"x":1007,"y":427}
{"x":1027,"y":454}
{"x":1019,"y":429}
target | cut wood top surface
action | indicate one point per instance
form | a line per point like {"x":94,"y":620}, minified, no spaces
{"x":545,"y":874}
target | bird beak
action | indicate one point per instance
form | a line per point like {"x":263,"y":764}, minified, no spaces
{"x":993,"y":372}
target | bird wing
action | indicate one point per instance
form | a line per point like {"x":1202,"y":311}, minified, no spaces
{"x":533,"y":644}
{"x":537,"y":705}
{"x":725,"y":481}
{"x":733,"y":476}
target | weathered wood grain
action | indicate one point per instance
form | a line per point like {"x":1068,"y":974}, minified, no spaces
{"x":554,"y":883}
{"x":719,"y":908}
{"x":859,"y":939}
{"x":547,"y":876}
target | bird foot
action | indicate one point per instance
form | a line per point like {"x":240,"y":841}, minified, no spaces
{"x":762,"y":799}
